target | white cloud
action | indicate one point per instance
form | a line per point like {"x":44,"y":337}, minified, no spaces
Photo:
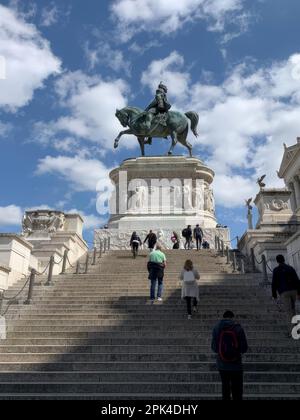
{"x":243,"y":121}
{"x":4,"y":129}
{"x":29,"y":60}
{"x":27,"y":10}
{"x":10,"y":215}
{"x":82,"y":174}
{"x":230,"y":191}
{"x":89,"y":106}
{"x":168,"y":71}
{"x":50,"y":15}
{"x":104,"y":54}
{"x":167,"y":16}
{"x":142,"y":48}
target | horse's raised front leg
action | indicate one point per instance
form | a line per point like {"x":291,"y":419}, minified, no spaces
{"x":116,"y":144}
{"x":174,"y":142}
{"x":142,"y":145}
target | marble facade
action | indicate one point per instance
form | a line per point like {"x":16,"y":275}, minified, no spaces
{"x":278,"y":228}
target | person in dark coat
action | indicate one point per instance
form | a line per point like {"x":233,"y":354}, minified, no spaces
{"x":151,"y":238}
{"x":229,"y":342}
{"x":135,"y":242}
{"x":286,"y":283}
{"x":198,"y":235}
{"x":187,"y":233}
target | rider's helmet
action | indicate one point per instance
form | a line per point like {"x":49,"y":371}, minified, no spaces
{"x":163,"y":87}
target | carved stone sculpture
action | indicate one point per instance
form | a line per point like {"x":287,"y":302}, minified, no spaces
{"x":43,"y":221}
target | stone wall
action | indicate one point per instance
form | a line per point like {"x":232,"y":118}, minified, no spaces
{"x":15,"y":253}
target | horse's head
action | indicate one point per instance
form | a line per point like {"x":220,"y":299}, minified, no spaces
{"x":122,"y":117}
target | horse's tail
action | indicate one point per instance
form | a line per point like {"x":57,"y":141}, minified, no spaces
{"x":194,"y":117}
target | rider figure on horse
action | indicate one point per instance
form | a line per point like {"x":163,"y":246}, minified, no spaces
{"x":159,"y":106}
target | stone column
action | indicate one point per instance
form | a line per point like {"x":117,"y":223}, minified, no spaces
{"x":293,"y":196}
{"x":297,"y":190}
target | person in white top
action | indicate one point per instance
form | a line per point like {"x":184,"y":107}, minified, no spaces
{"x":190,"y":289}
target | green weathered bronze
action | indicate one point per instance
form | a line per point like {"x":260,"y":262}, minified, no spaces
{"x":157,"y":121}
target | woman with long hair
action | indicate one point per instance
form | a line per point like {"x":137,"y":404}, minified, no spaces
{"x":190,"y":288}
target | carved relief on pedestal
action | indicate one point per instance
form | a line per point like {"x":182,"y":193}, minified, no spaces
{"x":43,"y":221}
{"x":139,"y":199}
{"x":209,"y":201}
{"x":277,"y":205}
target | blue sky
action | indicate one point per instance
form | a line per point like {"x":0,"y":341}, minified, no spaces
{"x":70,"y":64}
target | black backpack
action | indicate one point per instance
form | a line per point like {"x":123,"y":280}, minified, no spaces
{"x":229,"y":345}
{"x":184,"y":232}
{"x":198,"y":232}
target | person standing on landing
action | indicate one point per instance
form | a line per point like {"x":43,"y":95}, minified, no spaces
{"x":190,"y":289}
{"x":198,"y":235}
{"x":229,"y":342}
{"x":188,"y":235}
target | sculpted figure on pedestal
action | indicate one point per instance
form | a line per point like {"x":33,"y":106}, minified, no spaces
{"x":139,"y":199}
{"x":249,"y":214}
{"x":157,"y":121}
{"x":209,"y":201}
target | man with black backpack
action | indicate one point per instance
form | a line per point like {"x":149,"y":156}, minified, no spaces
{"x":198,"y":235}
{"x":188,"y":235}
{"x":229,"y":342}
{"x":135,"y":242}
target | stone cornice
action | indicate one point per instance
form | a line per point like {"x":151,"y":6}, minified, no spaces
{"x":5,"y":268}
{"x":16,"y":237}
{"x":167,"y":167}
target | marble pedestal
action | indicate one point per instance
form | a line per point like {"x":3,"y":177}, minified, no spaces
{"x":165,"y":192}
{"x":162,"y":193}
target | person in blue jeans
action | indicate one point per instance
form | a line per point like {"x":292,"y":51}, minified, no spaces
{"x":156,"y":266}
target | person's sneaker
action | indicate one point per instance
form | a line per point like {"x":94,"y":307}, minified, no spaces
{"x":195,"y":309}
{"x":159,"y":299}
{"x":189,"y":316}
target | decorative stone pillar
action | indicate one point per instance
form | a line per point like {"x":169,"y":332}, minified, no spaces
{"x":297,"y":190}
{"x":273,"y":207}
{"x":293,"y":196}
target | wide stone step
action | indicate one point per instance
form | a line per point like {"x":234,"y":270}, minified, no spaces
{"x":141,"y":396}
{"x":155,"y":322}
{"x":143,"y":376}
{"x":119,"y":366}
{"x":140,"y":357}
{"x":142,"y":387}
{"x":99,"y":327}
{"x":93,"y":333}
{"x":79,"y":317}
{"x":128,"y":349}
{"x":275,"y":343}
